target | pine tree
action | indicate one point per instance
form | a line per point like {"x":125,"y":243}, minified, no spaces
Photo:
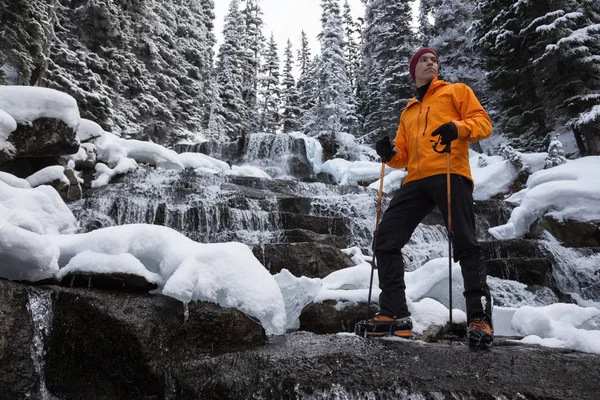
{"x":453,"y":41}
{"x":508,"y":48}
{"x":568,"y":72}
{"x":254,"y":44}
{"x":388,"y":43}
{"x":307,"y":82}
{"x":23,"y":29}
{"x":290,"y":99}
{"x":230,"y":74}
{"x":351,"y":50}
{"x":311,"y":96}
{"x":427,"y":10}
{"x":335,"y":110}
{"x":270,"y":92}
{"x":556,"y":154}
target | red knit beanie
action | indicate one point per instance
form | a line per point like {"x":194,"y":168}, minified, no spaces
{"x":415,"y":59}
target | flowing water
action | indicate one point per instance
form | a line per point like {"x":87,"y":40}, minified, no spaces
{"x":39,"y":306}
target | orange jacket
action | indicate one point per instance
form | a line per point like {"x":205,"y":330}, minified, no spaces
{"x":442,"y":103}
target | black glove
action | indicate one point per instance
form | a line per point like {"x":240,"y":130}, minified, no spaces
{"x":385,"y":149}
{"x":448,"y":132}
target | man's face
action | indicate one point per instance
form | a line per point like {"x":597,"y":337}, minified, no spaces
{"x":426,"y":69}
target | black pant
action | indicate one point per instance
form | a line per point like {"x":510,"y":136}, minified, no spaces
{"x":407,"y":209}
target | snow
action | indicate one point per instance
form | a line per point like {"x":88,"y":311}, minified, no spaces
{"x":199,"y":160}
{"x":27,"y":103}
{"x":7,"y":125}
{"x":314,"y":150}
{"x":350,"y":172}
{"x":91,"y":262}
{"x":567,"y":191}
{"x":12,"y":180}
{"x":39,"y":210}
{"x":247,"y":170}
{"x":225,"y":273}
{"x":88,"y":130}
{"x":47,"y":175}
{"x":560,"y":325}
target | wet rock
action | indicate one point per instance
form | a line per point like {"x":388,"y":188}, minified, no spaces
{"x":313,"y":260}
{"x":570,"y":233}
{"x":488,"y":213}
{"x":308,"y":366}
{"x":111,"y":345}
{"x":45,"y":137}
{"x":113,"y":281}
{"x":305,"y":235}
{"x":74,"y":191}
{"x":530,"y":271}
{"x":333,"y":317}
{"x":6,"y":156}
{"x":514,"y":248}
{"x":18,"y":377}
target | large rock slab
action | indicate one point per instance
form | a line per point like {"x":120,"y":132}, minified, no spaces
{"x":106,"y":344}
{"x":313,"y":260}
{"x":308,"y":366}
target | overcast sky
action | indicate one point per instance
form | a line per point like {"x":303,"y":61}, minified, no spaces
{"x":286,"y":19}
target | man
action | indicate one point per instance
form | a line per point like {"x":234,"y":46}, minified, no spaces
{"x":451,"y":115}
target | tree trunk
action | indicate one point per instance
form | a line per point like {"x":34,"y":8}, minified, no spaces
{"x":591,"y":134}
{"x":579,"y":140}
{"x":43,"y":68}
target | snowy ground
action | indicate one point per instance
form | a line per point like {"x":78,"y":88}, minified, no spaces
{"x":37,"y":238}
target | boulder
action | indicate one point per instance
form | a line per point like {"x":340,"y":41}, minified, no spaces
{"x":312,"y":260}
{"x":18,"y":376}
{"x":569,"y":232}
{"x":45,"y":137}
{"x":106,"y":344}
{"x":330,"y":317}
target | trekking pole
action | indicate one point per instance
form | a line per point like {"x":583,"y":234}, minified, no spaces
{"x":373,"y":264}
{"x":448,"y":150}
{"x":450,"y":236}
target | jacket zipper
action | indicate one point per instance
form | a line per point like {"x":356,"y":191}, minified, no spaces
{"x":426,"y":120}
{"x":417,"y":140}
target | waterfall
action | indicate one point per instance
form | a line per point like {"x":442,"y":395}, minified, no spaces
{"x":39,"y":306}
{"x":576,"y":273}
{"x":277,"y":154}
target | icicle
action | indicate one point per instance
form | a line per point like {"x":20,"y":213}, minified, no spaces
{"x":186,"y":312}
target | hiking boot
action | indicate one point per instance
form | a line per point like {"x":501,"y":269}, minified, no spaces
{"x":480,"y":334}
{"x":381,"y":325}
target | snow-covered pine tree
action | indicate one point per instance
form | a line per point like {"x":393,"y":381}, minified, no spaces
{"x":230,"y":74}
{"x":269,"y":89}
{"x":311,"y":95}
{"x":508,"y":48}
{"x":427,"y":10}
{"x":212,"y":122}
{"x":451,"y":38}
{"x":23,"y":32}
{"x":196,"y":40}
{"x":335,"y":110}
{"x":351,"y":50}
{"x":568,"y":71}
{"x":388,"y":43}
{"x":556,"y":154}
{"x":253,"y":44}
{"x":291,"y":111}
{"x":307,"y":82}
